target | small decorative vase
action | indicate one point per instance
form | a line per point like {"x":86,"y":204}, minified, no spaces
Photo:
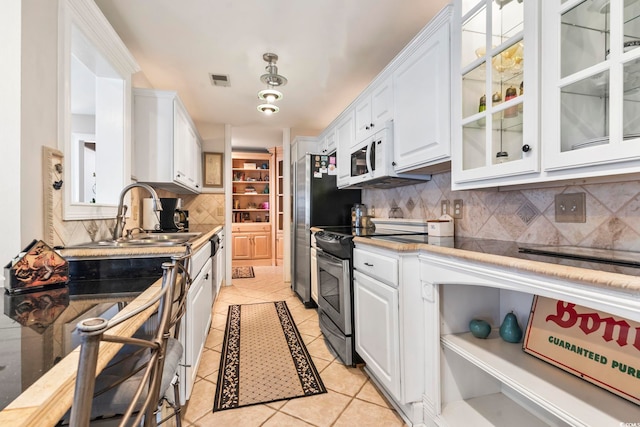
{"x":510,"y":331}
{"x":479,"y":328}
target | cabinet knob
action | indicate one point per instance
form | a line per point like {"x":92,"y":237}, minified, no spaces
{"x":366,"y":127}
{"x":526,"y":148}
{"x":206,"y":276}
{"x":393,"y":163}
{"x":368,"y":265}
{"x":372,"y":125}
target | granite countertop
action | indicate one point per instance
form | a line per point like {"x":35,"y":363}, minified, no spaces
{"x":50,"y":396}
{"x":506,"y":254}
{"x":207,"y":232}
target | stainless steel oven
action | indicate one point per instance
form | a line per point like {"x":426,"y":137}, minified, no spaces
{"x":334,"y":283}
{"x":335,"y":293}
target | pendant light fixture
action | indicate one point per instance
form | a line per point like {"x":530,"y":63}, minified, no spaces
{"x":272,"y":79}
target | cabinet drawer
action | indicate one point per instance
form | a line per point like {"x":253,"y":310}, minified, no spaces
{"x":376,"y":265}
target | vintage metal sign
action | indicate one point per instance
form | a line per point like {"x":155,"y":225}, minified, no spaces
{"x":596,"y":346}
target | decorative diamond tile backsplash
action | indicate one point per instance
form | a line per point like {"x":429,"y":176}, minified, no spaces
{"x":527,"y":216}
{"x":203,"y":209}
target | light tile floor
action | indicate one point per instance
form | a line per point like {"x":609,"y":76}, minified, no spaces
{"x":351,"y":400}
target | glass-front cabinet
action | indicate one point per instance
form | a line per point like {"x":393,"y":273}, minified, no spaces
{"x":591,"y":82}
{"x":495,"y":124}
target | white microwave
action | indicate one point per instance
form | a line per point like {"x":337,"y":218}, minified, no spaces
{"x":372,"y":163}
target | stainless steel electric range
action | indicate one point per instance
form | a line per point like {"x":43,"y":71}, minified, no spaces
{"x":335,"y":283}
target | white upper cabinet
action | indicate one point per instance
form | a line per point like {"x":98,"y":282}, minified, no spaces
{"x":495,"y":69}
{"x":591,"y":87}
{"x":167,"y":146}
{"x":422,"y":92}
{"x":327,"y":141}
{"x":344,"y":136}
{"x":186,"y":151}
{"x":373,"y":108}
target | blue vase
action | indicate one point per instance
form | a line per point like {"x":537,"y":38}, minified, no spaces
{"x":510,"y":330}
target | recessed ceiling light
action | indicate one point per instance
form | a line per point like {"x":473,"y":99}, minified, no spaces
{"x":268,"y":109}
{"x":270,"y":95}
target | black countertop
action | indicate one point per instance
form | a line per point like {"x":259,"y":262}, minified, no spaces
{"x":37,"y":327}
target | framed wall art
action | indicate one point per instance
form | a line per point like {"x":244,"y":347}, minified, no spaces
{"x":213,"y":170}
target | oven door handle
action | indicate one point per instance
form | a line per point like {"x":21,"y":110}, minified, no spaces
{"x":369,"y":164}
{"x":329,"y":259}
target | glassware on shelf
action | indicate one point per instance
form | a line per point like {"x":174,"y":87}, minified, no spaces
{"x":502,"y":157}
{"x":510,"y":94}
{"x":483,"y":103}
{"x":520,"y":106}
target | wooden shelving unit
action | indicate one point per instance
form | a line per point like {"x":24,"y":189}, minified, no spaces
{"x":279,"y":204}
{"x":252,"y":233}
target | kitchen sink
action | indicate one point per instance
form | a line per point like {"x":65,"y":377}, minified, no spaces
{"x":162,"y":237}
{"x":140,"y":240}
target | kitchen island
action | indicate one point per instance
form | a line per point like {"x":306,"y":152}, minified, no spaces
{"x":51,"y":395}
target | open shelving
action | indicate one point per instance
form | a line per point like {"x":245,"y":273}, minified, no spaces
{"x":251,"y":182}
{"x":494,"y":382}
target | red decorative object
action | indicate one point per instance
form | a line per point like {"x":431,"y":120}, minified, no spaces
{"x":36,"y":266}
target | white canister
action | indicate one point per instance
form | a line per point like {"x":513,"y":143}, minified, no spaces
{"x":150,"y":218}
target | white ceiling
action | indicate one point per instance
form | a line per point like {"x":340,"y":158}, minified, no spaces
{"x":329,"y":50}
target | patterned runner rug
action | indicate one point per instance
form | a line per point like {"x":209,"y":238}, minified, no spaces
{"x":242,"y":273}
{"x":263,"y":358}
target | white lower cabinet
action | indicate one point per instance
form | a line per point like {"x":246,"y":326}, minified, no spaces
{"x":377,"y":330}
{"x":387,"y":302}
{"x":489,"y":382}
{"x":197,"y":319}
{"x":219,"y":267}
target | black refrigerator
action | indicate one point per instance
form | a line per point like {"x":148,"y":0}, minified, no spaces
{"x":317,"y":202}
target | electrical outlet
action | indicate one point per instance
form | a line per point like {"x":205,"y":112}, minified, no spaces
{"x":444,"y":207}
{"x":457,"y":209}
{"x":571,"y":207}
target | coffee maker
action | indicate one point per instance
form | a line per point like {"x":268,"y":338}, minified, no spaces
{"x":172,"y":215}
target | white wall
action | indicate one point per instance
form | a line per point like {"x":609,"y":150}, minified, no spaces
{"x":255,"y":137}
{"x":38,"y":112}
{"x":10,"y":28}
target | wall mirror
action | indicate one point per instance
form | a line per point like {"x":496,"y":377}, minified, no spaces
{"x":95,"y":111}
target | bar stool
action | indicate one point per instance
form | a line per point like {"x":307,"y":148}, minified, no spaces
{"x":143,"y":375}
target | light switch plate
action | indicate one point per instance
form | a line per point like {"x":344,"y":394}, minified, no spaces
{"x":571,"y":207}
{"x":444,"y":207}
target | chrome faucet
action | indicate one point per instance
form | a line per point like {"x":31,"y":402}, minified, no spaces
{"x":122,"y":208}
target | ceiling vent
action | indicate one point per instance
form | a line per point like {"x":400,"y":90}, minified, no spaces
{"x":220,"y":80}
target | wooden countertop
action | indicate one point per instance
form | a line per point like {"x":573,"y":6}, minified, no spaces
{"x":49,"y":398}
{"x":503,"y":256}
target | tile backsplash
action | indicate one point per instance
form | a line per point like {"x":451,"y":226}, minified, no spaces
{"x":526,"y":215}
{"x":203,"y":209}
